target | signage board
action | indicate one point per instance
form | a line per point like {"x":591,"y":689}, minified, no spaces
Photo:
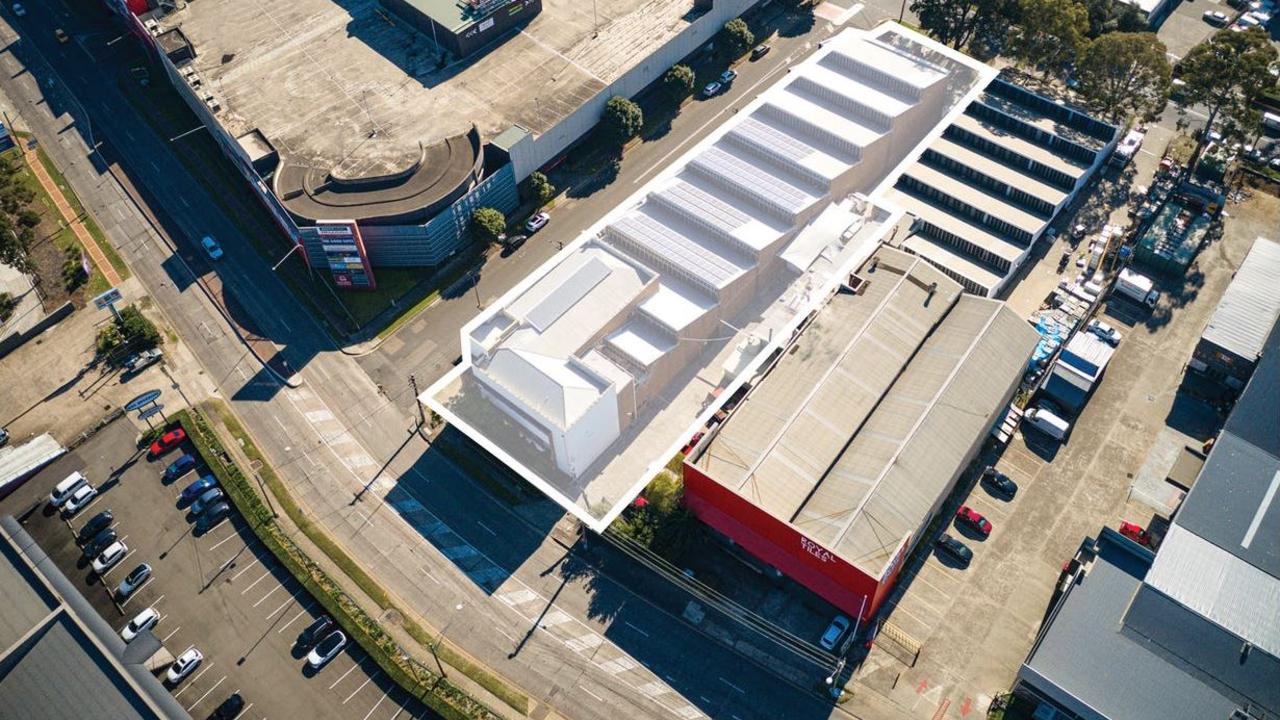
{"x":103,"y":301}
{"x":143,"y":399}
{"x":344,"y":253}
{"x":153,"y":410}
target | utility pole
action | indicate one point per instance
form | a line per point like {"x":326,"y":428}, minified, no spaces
{"x":413,"y":385}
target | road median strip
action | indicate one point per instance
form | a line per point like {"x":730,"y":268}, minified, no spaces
{"x":436,"y":691}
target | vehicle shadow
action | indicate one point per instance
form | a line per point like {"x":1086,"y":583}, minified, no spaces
{"x":968,"y":532}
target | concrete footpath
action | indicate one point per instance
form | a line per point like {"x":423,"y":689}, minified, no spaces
{"x":72,"y":219}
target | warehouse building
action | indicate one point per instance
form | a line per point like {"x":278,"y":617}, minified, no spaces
{"x":58,"y":657}
{"x":364,"y":133}
{"x":1233,"y":340}
{"x":1193,"y":631}
{"x":987,"y":190}
{"x":835,"y":462}
{"x":588,"y":376}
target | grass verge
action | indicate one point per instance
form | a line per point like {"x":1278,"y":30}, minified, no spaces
{"x":86,"y":219}
{"x":435,"y":691}
{"x":370,"y":587}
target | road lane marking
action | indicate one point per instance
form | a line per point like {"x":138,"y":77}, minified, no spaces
{"x":206,"y":693}
{"x":487,"y":528}
{"x":633,"y":627}
{"x":735,"y":687}
{"x":366,"y":682}
{"x":592,"y":694}
{"x":255,"y":582}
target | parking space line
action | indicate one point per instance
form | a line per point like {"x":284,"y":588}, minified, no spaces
{"x":301,"y":612}
{"x":206,"y":693}
{"x":255,"y":582}
{"x":591,"y":694}
{"x":264,"y":597}
{"x":165,"y":639}
{"x":193,"y":680}
{"x":135,"y":592}
{"x":348,"y":672}
{"x":375,"y":706}
{"x":283,"y":605}
{"x":223,"y":540}
{"x":366,"y":682}
{"x":245,"y":569}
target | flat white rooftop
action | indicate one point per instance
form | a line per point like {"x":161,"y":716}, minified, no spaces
{"x":729,"y":249}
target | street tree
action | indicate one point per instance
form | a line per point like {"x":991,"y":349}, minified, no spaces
{"x":622,"y":119}
{"x":736,"y":37}
{"x":1225,"y":75}
{"x":1124,"y":72}
{"x":961,"y":22}
{"x":488,"y":224}
{"x":540,"y":188}
{"x":677,"y":82}
{"x":1049,"y":34}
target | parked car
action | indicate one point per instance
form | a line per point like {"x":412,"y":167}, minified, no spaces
{"x":1136,"y":533}
{"x":144,"y":620}
{"x":973,"y":520}
{"x":956,"y":549}
{"x":212,"y":516}
{"x":836,"y":630}
{"x":61,"y":35}
{"x":110,"y":557}
{"x":207,"y":499}
{"x":728,"y":76}
{"x":196,"y":489}
{"x":711,"y":89}
{"x":999,"y":482}
{"x":168,"y":441}
{"x":4,"y":437}
{"x":1105,"y":331}
{"x":133,"y":580}
{"x":760,"y":51}
{"x":79,"y":500}
{"x":19,"y":10}
{"x":100,"y":542}
{"x":318,"y":629}
{"x":511,"y":242}
{"x":326,"y":649}
{"x":180,"y":467}
{"x":229,"y":708}
{"x":185,"y":663}
{"x":537,"y":222}
{"x":211,"y":247}
{"x":63,"y":491}
{"x":138,"y":362}
{"x":95,"y":525}
{"x":1217,"y":18}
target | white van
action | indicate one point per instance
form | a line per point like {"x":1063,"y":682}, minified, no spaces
{"x":1047,"y":423}
{"x":63,"y":490}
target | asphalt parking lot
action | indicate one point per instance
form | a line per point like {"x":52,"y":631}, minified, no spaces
{"x":221,"y":592}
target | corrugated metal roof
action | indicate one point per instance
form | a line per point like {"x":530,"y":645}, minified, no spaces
{"x":1251,"y":304}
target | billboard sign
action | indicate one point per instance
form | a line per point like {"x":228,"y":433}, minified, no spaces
{"x":143,"y":399}
{"x":153,"y":410}
{"x":106,"y":299}
{"x":344,"y":252}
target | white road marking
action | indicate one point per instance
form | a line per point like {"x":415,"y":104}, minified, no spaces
{"x":735,"y":687}
{"x":340,"y":678}
{"x":283,"y":605}
{"x":301,"y":612}
{"x":134,"y":594}
{"x":264,"y":597}
{"x":366,"y":682}
{"x":165,"y":639}
{"x":255,"y":582}
{"x":192,"y":681}
{"x":206,"y":693}
{"x":183,"y":199}
{"x":375,"y":706}
{"x":223,"y":540}
{"x":591,"y":694}
{"x":487,"y":528}
{"x":246,"y":568}
{"x":427,"y":572}
{"x":633,"y":627}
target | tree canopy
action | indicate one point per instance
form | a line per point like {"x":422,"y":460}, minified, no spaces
{"x":677,"y":82}
{"x":541,"y":188}
{"x":622,"y":119}
{"x":1226,"y":74}
{"x":737,"y":37}
{"x":962,"y":22}
{"x":488,"y":224}
{"x":1049,"y":34}
{"x":1125,"y":72}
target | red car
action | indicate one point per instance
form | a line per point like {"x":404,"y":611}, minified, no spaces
{"x":168,"y":441}
{"x":973,"y":520}
{"x":1136,"y":533}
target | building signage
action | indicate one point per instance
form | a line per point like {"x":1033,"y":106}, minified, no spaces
{"x":345,"y":254}
{"x":153,"y":410}
{"x":106,"y":299}
{"x":143,"y":399}
{"x":816,"y":550}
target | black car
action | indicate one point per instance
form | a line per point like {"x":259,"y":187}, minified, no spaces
{"x":229,"y":708}
{"x":511,"y":242}
{"x":96,"y":524}
{"x":955,"y":549}
{"x":999,"y":482}
{"x":316,"y":630}
{"x":94,"y":547}
{"x":760,"y":51}
{"x":212,"y":516}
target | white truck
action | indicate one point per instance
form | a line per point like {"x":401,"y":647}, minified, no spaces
{"x":1138,"y":288}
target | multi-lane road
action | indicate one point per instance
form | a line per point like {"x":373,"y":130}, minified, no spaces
{"x":485,"y":574}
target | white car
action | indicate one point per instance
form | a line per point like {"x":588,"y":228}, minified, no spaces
{"x":211,"y":247}
{"x":79,"y":499}
{"x":63,"y":490}
{"x":537,"y":222}
{"x":18,"y":10}
{"x":836,"y":630}
{"x":137,"y":362}
{"x":134,"y":580}
{"x":1105,"y":331}
{"x":189,"y":660}
{"x":326,"y":649}
{"x":711,"y":89}
{"x":144,"y":620}
{"x":114,"y":553}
